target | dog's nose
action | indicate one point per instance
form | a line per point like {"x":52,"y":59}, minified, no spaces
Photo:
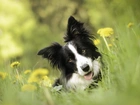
{"x":85,"y":67}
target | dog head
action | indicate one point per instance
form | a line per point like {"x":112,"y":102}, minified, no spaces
{"x":78,"y":55}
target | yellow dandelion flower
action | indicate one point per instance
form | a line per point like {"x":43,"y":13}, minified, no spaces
{"x":130,"y":25}
{"x":28,"y":87}
{"x":3,"y":75}
{"x":96,"y":41}
{"x":106,"y":32}
{"x":27,"y":71}
{"x":37,"y":75}
{"x":46,"y":81}
{"x":15,"y":64}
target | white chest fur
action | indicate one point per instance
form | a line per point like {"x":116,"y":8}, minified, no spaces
{"x":78,"y":82}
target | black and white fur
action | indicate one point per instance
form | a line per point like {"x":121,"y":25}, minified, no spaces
{"x":77,"y":59}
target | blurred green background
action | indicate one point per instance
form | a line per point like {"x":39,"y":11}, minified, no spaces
{"x":26,"y":26}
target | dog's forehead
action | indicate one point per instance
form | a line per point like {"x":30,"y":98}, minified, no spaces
{"x":68,"y":48}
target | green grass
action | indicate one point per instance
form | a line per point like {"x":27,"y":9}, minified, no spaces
{"x":119,"y":86}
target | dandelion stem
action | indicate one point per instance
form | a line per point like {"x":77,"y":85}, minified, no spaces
{"x":106,"y":43}
{"x":134,"y":33}
{"x":19,"y":76}
{"x":17,"y":72}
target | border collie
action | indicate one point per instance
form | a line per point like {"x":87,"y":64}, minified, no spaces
{"x":77,"y":60}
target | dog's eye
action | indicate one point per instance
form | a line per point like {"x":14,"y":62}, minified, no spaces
{"x":83,"y":51}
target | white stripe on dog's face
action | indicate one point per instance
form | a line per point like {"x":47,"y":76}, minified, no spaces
{"x":81,"y":60}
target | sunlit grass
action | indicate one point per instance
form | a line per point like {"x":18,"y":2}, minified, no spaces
{"x":120,"y":83}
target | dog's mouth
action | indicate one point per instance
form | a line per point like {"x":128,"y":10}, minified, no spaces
{"x":89,"y":75}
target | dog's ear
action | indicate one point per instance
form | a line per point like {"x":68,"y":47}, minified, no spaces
{"x":52,"y":54}
{"x":75,"y":29}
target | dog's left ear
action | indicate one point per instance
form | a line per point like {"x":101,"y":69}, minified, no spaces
{"x":75,"y":29}
{"x":52,"y":54}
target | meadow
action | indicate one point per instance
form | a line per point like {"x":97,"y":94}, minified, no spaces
{"x":26,"y":27}
{"x":119,"y":85}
